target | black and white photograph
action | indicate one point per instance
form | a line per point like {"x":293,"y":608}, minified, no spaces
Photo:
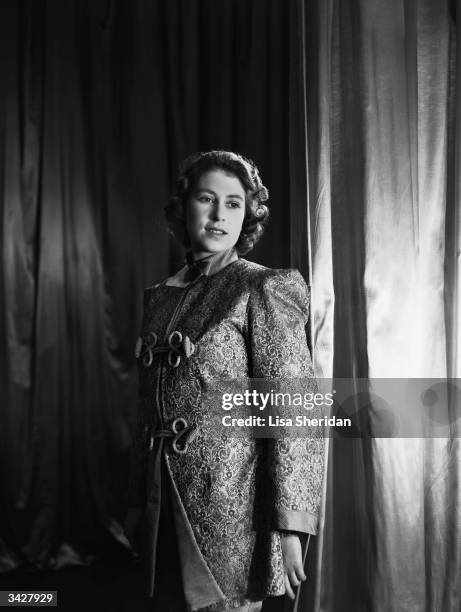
{"x":230,"y":305}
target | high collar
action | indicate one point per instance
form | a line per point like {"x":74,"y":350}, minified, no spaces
{"x":207,"y":266}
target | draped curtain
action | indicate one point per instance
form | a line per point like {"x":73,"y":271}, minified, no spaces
{"x":350,"y":109}
{"x":382,"y":102}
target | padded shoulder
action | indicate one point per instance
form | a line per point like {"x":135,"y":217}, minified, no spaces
{"x":285,"y":289}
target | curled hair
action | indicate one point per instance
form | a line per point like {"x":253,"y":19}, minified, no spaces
{"x":190,"y":171}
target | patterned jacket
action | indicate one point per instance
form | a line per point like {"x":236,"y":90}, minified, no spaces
{"x":230,"y":494}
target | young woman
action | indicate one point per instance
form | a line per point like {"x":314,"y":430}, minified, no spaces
{"x":222,"y":515}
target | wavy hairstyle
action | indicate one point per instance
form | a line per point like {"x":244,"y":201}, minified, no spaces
{"x":190,"y":171}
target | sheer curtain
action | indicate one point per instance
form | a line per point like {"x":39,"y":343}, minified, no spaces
{"x":382,"y":116}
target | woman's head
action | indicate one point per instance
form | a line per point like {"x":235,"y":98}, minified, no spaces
{"x":219,"y":203}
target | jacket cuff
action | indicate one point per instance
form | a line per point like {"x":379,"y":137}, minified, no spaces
{"x":293,"y":520}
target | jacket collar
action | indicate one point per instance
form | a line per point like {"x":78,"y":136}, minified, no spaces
{"x":207,"y":266}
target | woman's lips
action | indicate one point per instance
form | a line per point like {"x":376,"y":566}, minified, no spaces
{"x":216,"y":231}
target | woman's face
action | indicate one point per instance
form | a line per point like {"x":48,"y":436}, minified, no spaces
{"x":214,"y":213}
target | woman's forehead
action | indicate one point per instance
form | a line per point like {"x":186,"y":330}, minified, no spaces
{"x":221,"y":181}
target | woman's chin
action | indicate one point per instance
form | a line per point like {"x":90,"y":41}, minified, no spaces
{"x":213,"y":245}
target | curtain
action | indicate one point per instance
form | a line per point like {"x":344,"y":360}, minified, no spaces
{"x":382,"y":121}
{"x":69,"y":269}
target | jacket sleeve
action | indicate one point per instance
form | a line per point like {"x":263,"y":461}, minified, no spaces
{"x":278,"y":313}
{"x":140,"y":444}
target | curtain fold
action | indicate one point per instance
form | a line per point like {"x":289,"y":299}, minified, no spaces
{"x":382,"y":100}
{"x":66,"y":374}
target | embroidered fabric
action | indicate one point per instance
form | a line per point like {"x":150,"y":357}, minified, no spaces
{"x":236,"y":493}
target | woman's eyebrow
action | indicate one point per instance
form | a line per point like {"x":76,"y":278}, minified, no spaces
{"x":231,"y":195}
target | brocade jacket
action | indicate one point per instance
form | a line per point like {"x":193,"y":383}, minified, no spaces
{"x":230,"y":494}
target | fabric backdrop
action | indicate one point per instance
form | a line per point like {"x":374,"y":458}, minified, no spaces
{"x":351,"y":110}
{"x":383,"y":121}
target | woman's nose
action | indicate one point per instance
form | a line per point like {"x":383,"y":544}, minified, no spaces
{"x":219,"y":211}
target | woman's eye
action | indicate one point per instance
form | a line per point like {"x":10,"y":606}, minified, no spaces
{"x":204,"y":199}
{"x":233,"y":204}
